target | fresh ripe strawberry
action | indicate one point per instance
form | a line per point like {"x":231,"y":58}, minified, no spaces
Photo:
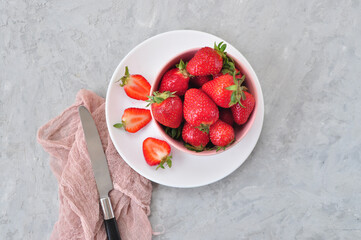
{"x":225,"y":114}
{"x":225,"y":90}
{"x":207,"y":61}
{"x":167,"y":108}
{"x":216,"y":89}
{"x":199,"y":110}
{"x":241,"y":113}
{"x":156,"y":152}
{"x":221,"y":134}
{"x":195,"y":137}
{"x":175,"y":80}
{"x":134,"y":119}
{"x":198,"y":81}
{"x":135,"y":86}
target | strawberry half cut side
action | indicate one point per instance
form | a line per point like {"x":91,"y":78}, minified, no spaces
{"x":135,"y":86}
{"x":156,"y":152}
{"x":134,"y":119}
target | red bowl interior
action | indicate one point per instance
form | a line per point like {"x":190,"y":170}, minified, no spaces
{"x":240,"y":131}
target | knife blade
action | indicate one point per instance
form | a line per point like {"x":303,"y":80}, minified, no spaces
{"x":100,"y":169}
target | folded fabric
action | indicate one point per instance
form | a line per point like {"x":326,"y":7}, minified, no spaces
{"x":80,"y":215}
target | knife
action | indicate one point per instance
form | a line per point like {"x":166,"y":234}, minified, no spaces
{"x":101,"y":171}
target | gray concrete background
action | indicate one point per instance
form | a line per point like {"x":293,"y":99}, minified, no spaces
{"x":302,"y":181}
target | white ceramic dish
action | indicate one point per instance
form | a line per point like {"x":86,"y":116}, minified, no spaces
{"x":147,"y":59}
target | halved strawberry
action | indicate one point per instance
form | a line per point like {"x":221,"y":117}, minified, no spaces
{"x":135,"y":86}
{"x":134,"y":119}
{"x":156,"y":152}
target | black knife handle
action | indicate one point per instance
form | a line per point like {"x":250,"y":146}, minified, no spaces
{"x":111,"y":228}
{"x":110,"y":223}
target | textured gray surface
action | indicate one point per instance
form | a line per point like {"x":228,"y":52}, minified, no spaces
{"x":301,"y":182}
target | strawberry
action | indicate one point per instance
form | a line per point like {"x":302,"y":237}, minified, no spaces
{"x":134,"y":119}
{"x":216,"y":89}
{"x":195,"y":137}
{"x":221,"y":134}
{"x":175,"y":80}
{"x":207,"y":61}
{"x":135,"y":86}
{"x":198,"y":81}
{"x":242,"y":110}
{"x":167,"y":108}
{"x":225,"y":114}
{"x":225,"y":90}
{"x":199,"y":110}
{"x":156,"y":152}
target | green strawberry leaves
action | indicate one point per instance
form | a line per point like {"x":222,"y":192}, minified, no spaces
{"x":218,"y":148}
{"x":166,"y":160}
{"x":182,"y":68}
{"x":232,"y":87}
{"x":238,"y":90}
{"x":204,"y":128}
{"x":181,"y":65}
{"x":119,"y":125}
{"x":228,"y":66}
{"x":220,"y":48}
{"x":158,"y":97}
{"x":193,"y":148}
{"x":228,"y":63}
{"x":174,"y":133}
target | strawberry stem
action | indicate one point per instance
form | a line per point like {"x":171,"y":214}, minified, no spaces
{"x":174,"y":133}
{"x":124,"y":80}
{"x":182,"y":68}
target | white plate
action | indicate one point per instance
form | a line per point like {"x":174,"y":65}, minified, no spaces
{"x":188,"y":170}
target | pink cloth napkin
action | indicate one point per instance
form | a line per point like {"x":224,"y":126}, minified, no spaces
{"x":80,"y":215}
